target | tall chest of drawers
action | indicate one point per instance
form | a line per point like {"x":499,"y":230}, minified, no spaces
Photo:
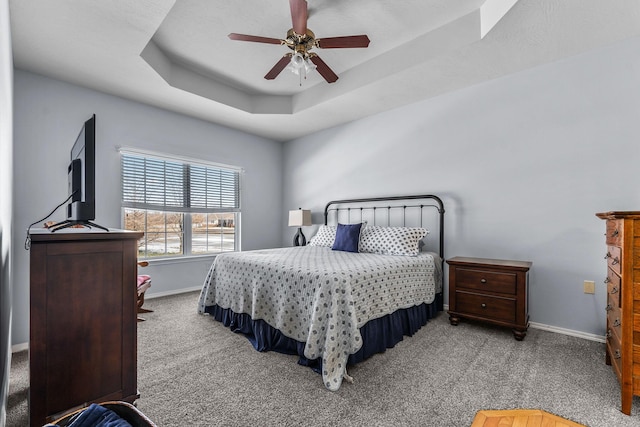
{"x":623,"y":300}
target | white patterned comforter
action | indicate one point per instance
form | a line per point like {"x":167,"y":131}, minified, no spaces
{"x":319,"y":296}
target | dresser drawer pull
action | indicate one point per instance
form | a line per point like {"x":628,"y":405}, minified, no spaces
{"x":615,"y":233}
{"x":614,"y":291}
{"x":607,"y":280}
{"x":609,"y":307}
{"x":615,"y":261}
{"x":608,"y":255}
{"x":483,"y":280}
{"x":616,"y":323}
{"x":608,"y":333}
{"x":617,"y":354}
{"x":483,"y":305}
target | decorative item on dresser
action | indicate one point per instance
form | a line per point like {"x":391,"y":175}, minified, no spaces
{"x":490,"y":290}
{"x":83,"y":333}
{"x":623,"y":300}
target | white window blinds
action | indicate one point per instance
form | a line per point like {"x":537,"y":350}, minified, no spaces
{"x":176,"y":185}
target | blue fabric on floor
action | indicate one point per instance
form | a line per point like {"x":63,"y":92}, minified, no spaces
{"x":98,"y":416}
{"x":377,"y":335}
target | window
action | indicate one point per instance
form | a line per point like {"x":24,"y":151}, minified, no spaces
{"x":183,"y":207}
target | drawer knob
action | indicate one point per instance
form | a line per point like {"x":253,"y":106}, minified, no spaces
{"x":483,"y":305}
{"x":607,"y":280}
{"x":614,"y":290}
{"x":617,"y":354}
{"x":616,"y":323}
{"x":483,"y":280}
{"x":615,"y":261}
{"x":608,"y":255}
{"x":609,"y":307}
{"x":608,"y":333}
{"x":615,"y":233}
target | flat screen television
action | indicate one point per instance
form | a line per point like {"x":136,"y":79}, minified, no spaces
{"x":81,"y":209}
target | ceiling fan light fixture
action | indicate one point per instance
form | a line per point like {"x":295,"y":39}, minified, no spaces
{"x":308,"y":65}
{"x":300,"y":65}
{"x":297,"y":62}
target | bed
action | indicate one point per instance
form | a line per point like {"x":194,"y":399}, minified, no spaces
{"x":330,"y":302}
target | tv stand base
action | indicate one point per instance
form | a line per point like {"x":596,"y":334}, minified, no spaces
{"x":70,"y":223}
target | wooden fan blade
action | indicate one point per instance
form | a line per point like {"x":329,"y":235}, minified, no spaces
{"x":299,"y":16}
{"x":277,"y":69}
{"x":345,"y":41}
{"x":324,"y":69}
{"x":248,"y":38}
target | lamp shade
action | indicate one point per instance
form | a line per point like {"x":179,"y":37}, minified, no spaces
{"x":299,"y":218}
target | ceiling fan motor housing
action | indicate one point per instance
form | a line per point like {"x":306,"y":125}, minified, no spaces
{"x":300,"y":43}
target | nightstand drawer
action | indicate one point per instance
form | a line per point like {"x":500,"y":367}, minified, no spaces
{"x":486,"y":281}
{"x":490,"y":307}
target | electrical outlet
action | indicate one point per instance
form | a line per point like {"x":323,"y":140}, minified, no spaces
{"x":589,"y":287}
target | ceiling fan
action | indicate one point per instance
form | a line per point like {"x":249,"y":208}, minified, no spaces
{"x":301,"y":40}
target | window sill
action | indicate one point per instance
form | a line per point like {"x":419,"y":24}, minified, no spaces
{"x":179,"y":260}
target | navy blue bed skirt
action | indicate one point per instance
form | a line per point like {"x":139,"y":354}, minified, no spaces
{"x":377,"y":334}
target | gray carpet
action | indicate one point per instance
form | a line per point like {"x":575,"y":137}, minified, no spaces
{"x":194,"y":372}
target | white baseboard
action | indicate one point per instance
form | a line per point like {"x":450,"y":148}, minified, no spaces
{"x":19,"y":347}
{"x":570,"y":332}
{"x":558,"y":330}
{"x":148,"y":295}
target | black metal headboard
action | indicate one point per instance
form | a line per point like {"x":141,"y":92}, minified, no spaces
{"x":397,"y":210}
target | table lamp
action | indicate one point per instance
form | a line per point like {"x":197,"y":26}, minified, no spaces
{"x":299,"y":218}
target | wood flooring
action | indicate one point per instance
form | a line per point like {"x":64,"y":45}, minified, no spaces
{"x":520,"y":418}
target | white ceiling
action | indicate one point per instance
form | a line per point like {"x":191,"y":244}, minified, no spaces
{"x":175,"y":54}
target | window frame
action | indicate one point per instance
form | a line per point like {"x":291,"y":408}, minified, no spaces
{"x":186,"y":211}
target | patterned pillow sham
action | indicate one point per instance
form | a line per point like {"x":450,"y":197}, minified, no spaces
{"x":325,"y":236}
{"x":391,"y":240}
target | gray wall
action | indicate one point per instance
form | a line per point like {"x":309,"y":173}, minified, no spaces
{"x":523,"y":163}
{"x":6,"y":126}
{"x":48,"y":116}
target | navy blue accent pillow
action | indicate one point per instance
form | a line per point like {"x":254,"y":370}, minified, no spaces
{"x":347,"y":237}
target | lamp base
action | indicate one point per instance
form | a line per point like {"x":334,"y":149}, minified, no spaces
{"x":299,"y":239}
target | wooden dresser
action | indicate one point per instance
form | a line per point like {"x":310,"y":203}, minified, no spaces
{"x":623,"y":301}
{"x":490,"y":290}
{"x":83,"y":330}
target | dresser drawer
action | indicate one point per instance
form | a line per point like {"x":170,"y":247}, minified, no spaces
{"x":486,"y":281}
{"x":614,"y":322}
{"x":613,"y":309}
{"x":614,"y":258}
{"x":486,"y":306}
{"x":614,"y":289}
{"x":613,"y":347}
{"x":614,"y":232}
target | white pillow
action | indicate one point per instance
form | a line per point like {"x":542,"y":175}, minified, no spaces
{"x":325,"y":236}
{"x":391,"y":240}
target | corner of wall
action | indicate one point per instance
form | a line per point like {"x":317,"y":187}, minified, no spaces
{"x":6,"y":205}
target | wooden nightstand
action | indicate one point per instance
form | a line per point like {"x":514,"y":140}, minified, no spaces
{"x":490,"y":290}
